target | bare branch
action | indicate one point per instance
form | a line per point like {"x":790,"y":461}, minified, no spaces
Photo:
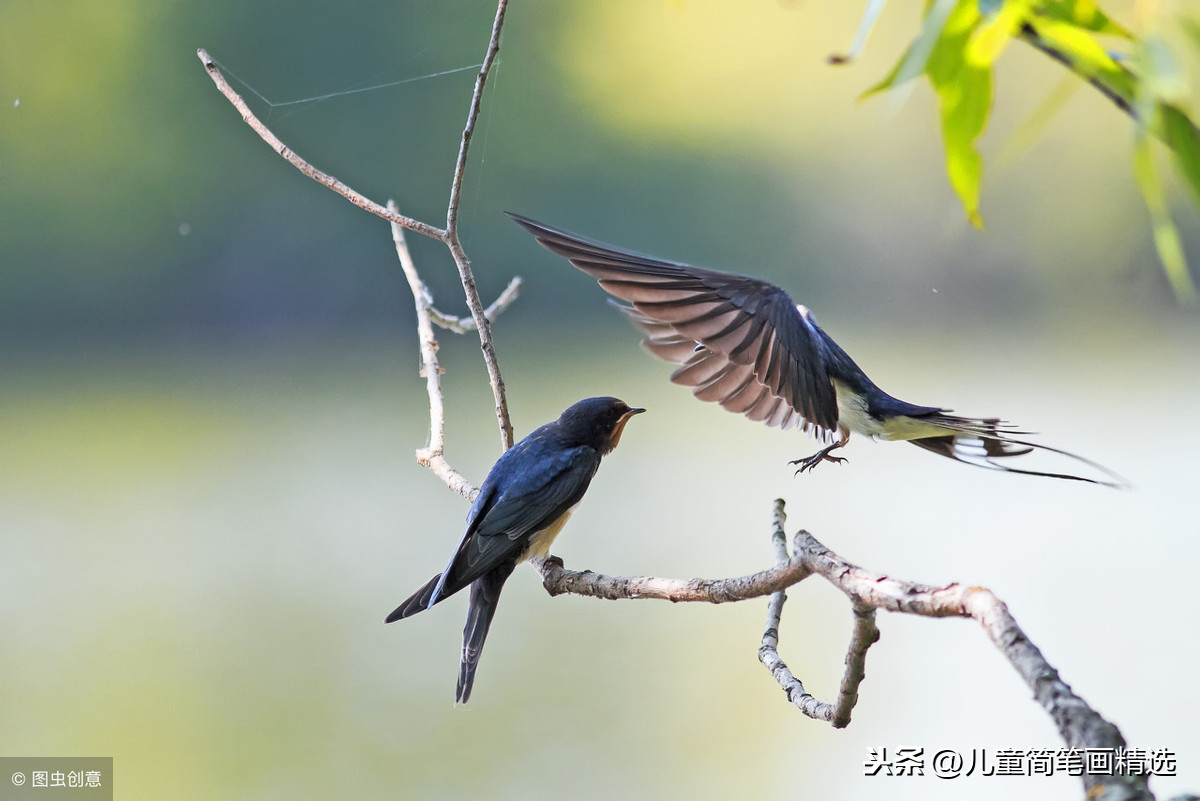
{"x":464,"y":145}
{"x":559,"y":581}
{"x":1079,"y":725}
{"x":474,"y":304}
{"x":461,"y":325}
{"x":866,"y":634}
{"x":495,"y":379}
{"x":268,"y":136}
{"x":432,"y":455}
{"x":768,"y":652}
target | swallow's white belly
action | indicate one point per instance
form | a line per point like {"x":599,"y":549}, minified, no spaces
{"x":539,"y":544}
{"x":852,"y":414}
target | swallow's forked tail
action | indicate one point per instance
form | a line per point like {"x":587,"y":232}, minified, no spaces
{"x":485,"y":593}
{"x":980,"y":441}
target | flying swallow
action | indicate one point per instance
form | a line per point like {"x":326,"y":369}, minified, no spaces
{"x":524,"y":501}
{"x":743,"y":343}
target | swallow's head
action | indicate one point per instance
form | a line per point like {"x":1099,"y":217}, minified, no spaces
{"x":597,"y":422}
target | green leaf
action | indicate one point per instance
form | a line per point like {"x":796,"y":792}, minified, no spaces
{"x":964,"y":92}
{"x":917,"y":54}
{"x":1183,"y":138}
{"x":1082,"y":14}
{"x":887,"y":81}
{"x":990,"y":38}
{"x":1166,"y":237}
{"x":1162,"y":91}
{"x":1086,"y":57}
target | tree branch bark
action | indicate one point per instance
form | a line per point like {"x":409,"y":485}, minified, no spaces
{"x":461,"y":325}
{"x":433,"y":454}
{"x":495,"y":379}
{"x":1078,"y":724}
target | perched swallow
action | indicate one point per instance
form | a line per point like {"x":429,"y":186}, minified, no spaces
{"x":523,"y":503}
{"x":745,"y":344}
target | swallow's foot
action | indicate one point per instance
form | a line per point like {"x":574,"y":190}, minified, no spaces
{"x":822,"y":455}
{"x":557,"y":561}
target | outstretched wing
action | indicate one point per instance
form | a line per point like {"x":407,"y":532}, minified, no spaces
{"x":741,"y":342}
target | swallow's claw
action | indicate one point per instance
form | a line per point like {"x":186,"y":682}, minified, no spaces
{"x":808,"y":463}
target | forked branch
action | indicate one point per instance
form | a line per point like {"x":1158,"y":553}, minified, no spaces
{"x":1079,"y":725}
{"x":448,"y":236}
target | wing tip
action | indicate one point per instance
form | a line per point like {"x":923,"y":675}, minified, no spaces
{"x":424,"y":598}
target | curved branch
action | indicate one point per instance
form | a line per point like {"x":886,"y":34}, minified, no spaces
{"x":432,"y":455}
{"x":768,"y":652}
{"x":1079,"y":725}
{"x":866,"y":634}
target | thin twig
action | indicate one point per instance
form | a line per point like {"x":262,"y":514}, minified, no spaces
{"x":488,"y":348}
{"x":474,"y":304}
{"x":461,"y":325}
{"x":460,"y":164}
{"x":481,"y":318}
{"x":1079,"y":725}
{"x":432,"y":456}
{"x":768,"y":652}
{"x":866,"y":634}
{"x":1029,"y":34}
{"x":268,"y":136}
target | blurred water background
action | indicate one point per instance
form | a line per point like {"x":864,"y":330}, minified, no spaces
{"x":210,"y":401}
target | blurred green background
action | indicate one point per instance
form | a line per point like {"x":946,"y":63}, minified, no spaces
{"x":210,"y":401}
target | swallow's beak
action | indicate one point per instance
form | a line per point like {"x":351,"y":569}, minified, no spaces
{"x":619,"y":428}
